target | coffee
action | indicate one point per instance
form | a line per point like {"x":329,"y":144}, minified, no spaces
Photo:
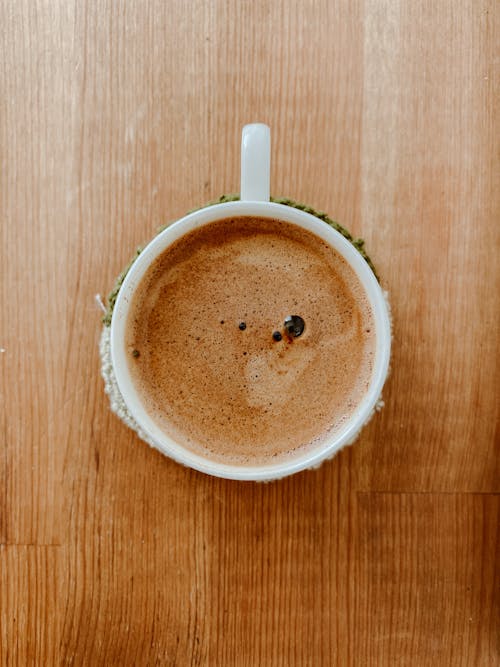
{"x":250,"y":340}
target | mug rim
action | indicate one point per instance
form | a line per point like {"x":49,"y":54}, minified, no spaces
{"x":310,"y":457}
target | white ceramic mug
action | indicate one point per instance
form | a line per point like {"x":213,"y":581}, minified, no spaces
{"x":255,"y":170}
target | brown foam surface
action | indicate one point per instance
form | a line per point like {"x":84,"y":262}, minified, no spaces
{"x":236,"y":396}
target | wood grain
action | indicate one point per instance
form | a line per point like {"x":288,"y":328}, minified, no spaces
{"x":428,"y":565}
{"x":116,"y":117}
{"x":30,"y":616}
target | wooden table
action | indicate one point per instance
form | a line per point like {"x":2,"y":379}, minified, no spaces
{"x":119,"y":116}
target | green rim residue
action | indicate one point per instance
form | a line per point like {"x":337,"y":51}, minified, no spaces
{"x":357,"y":243}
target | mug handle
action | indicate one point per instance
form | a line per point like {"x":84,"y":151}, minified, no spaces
{"x":255,"y":162}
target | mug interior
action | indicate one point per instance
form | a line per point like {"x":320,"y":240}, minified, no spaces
{"x":307,"y":459}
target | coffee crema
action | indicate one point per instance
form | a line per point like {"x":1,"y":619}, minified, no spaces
{"x":203,"y":351}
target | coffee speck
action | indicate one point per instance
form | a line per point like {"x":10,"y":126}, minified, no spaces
{"x":277,"y":336}
{"x":222,"y":321}
{"x":136,"y":353}
{"x":242,"y":326}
